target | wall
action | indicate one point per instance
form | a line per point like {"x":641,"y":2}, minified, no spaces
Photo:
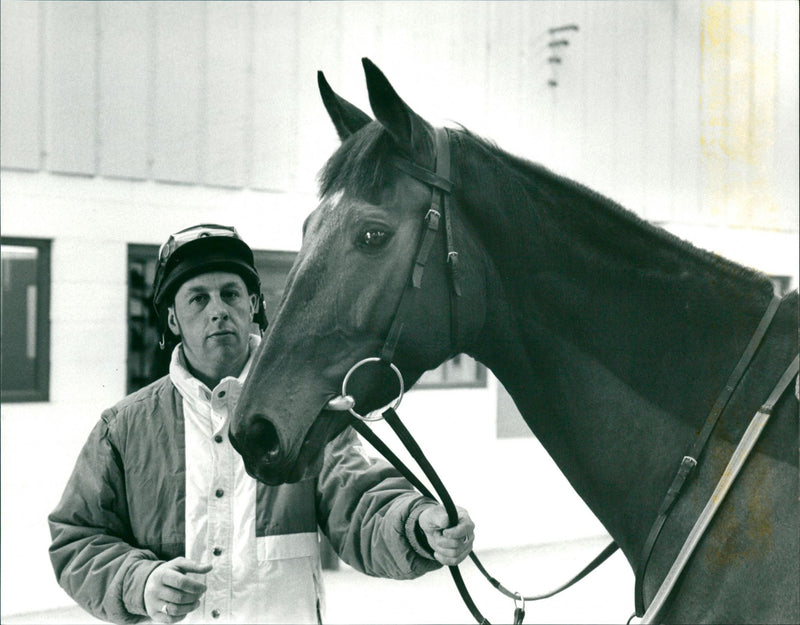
{"x":124,"y":121}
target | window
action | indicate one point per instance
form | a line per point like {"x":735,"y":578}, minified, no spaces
{"x":782,"y":283}
{"x":460,"y":371}
{"x":25,"y":320}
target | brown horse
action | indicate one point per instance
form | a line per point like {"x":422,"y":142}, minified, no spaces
{"x":613,"y":337}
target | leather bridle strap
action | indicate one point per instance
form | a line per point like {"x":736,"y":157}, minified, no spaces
{"x":738,"y":458}
{"x":408,"y":441}
{"x":441,"y":188}
{"x":440,"y":210}
{"x":689,"y":461}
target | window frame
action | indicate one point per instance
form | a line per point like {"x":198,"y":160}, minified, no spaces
{"x":40,"y":390}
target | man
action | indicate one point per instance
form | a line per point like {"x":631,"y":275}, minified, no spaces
{"x":159,"y":518}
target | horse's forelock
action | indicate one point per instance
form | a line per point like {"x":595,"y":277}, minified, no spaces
{"x":360,"y":165}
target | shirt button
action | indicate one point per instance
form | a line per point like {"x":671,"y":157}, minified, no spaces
{"x":217,"y":551}
{"x":215,"y":613}
{"x":218,"y":438}
{"x":219,"y":492}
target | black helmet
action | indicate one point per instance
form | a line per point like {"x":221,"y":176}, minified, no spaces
{"x":201,"y":249}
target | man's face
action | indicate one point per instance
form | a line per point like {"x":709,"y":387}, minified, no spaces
{"x":212,"y":314}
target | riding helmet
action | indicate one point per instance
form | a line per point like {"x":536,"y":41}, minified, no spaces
{"x":202,"y":249}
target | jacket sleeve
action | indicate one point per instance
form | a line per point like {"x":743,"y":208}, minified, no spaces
{"x":91,"y":550}
{"x":370,"y":512}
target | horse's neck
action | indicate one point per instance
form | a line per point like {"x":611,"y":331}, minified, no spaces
{"x":591,"y":335}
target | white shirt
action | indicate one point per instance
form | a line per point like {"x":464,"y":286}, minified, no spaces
{"x":265,"y":579}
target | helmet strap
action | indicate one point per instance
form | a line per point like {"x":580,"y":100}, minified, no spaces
{"x":260,"y":316}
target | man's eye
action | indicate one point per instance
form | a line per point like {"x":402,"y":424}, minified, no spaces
{"x":374,"y":239}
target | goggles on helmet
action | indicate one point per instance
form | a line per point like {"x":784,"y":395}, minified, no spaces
{"x":201,"y":248}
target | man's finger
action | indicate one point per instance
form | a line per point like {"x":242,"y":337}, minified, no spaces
{"x":184,"y":565}
{"x":183,"y":583}
{"x":434,"y":518}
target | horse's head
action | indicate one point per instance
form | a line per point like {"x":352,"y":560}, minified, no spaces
{"x":343,"y":292}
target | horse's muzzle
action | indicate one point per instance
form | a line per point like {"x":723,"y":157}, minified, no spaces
{"x":260,"y":448}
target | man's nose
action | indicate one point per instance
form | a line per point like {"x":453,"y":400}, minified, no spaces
{"x":218,"y":309}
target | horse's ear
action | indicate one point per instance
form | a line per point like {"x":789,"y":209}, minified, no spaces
{"x":409,"y":130}
{"x":346,"y":117}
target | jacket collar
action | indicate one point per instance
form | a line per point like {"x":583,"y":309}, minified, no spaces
{"x":193,"y":389}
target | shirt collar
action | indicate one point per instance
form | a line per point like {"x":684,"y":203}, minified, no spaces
{"x":189,"y":386}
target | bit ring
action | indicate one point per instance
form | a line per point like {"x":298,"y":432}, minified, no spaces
{"x":396,"y":402}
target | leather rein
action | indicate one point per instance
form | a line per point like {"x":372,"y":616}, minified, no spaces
{"x":439,"y":211}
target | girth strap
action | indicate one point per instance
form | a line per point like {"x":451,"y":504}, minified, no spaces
{"x":689,"y":461}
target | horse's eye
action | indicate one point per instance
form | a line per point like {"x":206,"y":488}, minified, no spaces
{"x":374,"y":239}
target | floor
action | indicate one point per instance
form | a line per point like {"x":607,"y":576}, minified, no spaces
{"x":605,"y":596}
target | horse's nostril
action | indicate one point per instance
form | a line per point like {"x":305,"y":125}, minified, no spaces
{"x":265,"y":436}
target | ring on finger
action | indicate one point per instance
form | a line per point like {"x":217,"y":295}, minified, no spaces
{"x":164,"y":609}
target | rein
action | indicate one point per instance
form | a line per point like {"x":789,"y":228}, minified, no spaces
{"x":439,"y":211}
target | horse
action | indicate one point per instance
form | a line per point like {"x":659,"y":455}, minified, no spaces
{"x":612,"y":336}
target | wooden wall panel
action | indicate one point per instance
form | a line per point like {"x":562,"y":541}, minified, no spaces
{"x":360,"y":26}
{"x":600,"y":79}
{"x":631,"y":105}
{"x":70,"y":106}
{"x":684,"y":189}
{"x":762,"y":201}
{"x":787,"y":127}
{"x":318,"y":29}
{"x":228,"y":117}
{"x":275,"y":78}
{"x":469,"y":56}
{"x":124,"y":92}
{"x":566,"y":94}
{"x":682,"y":111}
{"x":180,"y":92}
{"x":20,"y":79}
{"x":657,"y":114}
{"x":504,"y":101}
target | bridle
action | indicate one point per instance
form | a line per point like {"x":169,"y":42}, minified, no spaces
{"x":440,"y":211}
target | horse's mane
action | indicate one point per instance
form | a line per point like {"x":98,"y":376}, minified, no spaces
{"x":495,"y":172}
{"x":361,"y":164}
{"x":532,"y":194}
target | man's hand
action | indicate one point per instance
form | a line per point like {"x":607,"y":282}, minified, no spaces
{"x":450,"y":545}
{"x":170,"y":593}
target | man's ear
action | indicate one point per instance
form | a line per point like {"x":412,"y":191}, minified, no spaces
{"x":172,"y":321}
